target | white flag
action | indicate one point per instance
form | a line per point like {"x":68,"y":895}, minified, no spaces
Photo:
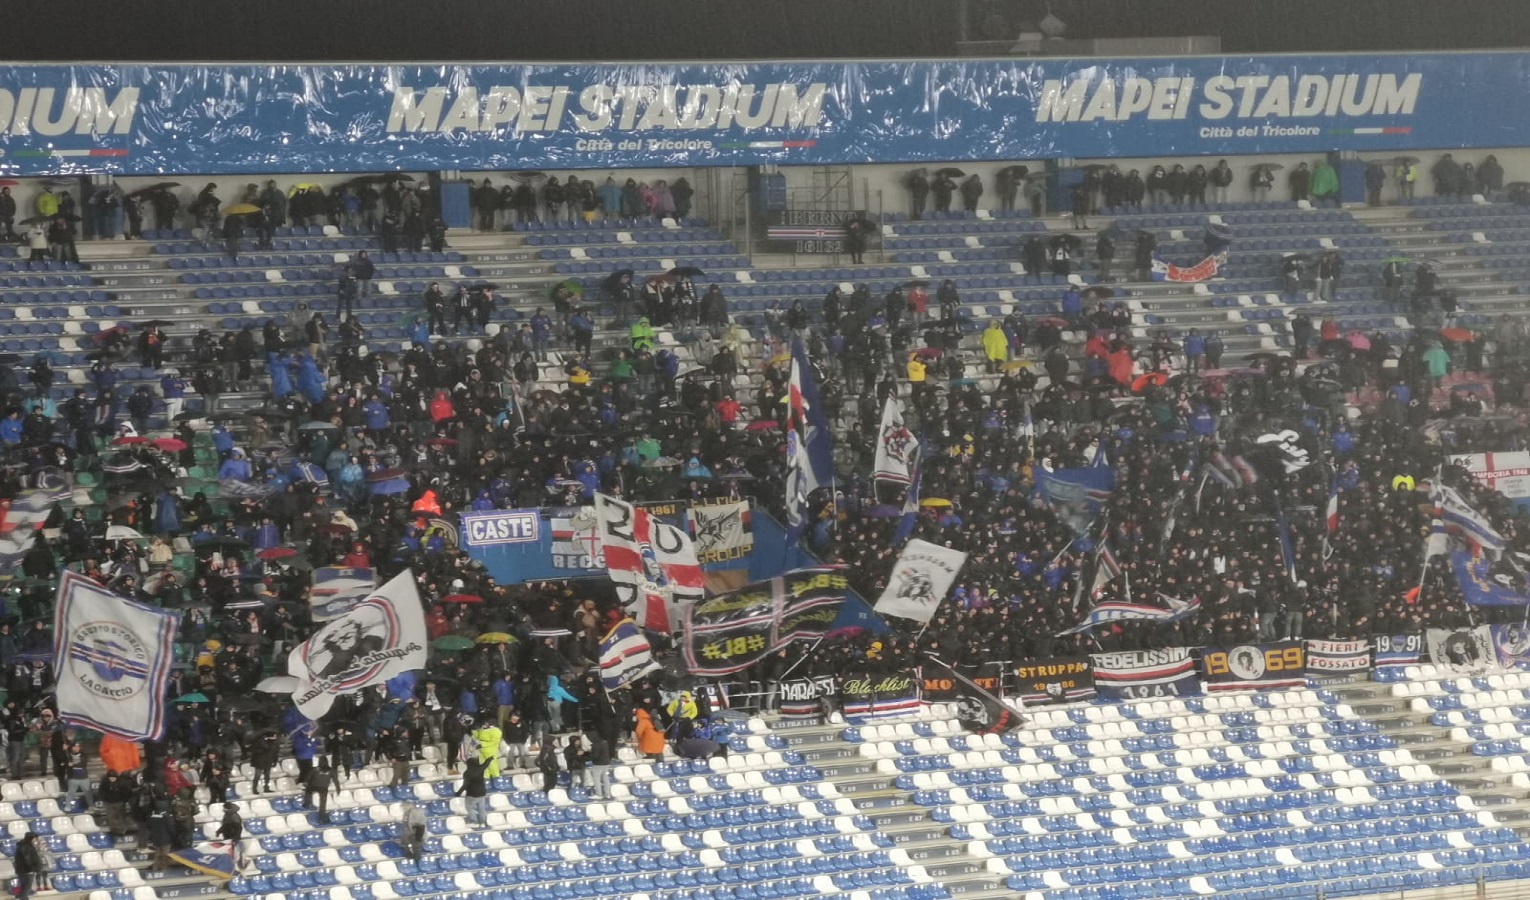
{"x":113,"y":658}
{"x":652,"y":563}
{"x":371,"y":642}
{"x":920,"y":580}
{"x":897,"y":448}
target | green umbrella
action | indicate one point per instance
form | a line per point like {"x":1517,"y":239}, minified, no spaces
{"x":452,"y":642}
{"x":1396,"y":259}
{"x":191,"y":698}
{"x":574,"y":288}
{"x":408,"y":318}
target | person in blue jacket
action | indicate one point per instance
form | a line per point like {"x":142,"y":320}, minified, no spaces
{"x":1343,"y":439}
{"x":235,"y":468}
{"x":1195,"y":349}
{"x":419,"y":332}
{"x":375,"y":412}
{"x":222,"y":439}
{"x":167,"y":514}
{"x":10,"y":428}
{"x":310,"y":379}
{"x":281,"y":376}
{"x":1072,"y":305}
{"x":483,"y":502}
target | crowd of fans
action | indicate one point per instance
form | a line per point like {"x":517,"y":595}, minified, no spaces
{"x":363,"y":458}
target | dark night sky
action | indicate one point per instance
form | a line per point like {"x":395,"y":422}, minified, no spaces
{"x":592,"y":30}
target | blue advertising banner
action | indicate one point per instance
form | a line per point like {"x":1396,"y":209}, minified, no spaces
{"x":303,"y":118}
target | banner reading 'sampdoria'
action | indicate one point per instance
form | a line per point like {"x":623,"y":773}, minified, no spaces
{"x":1338,"y":657}
{"x":1061,"y":679}
{"x":1254,"y":667}
{"x":1138,"y":674}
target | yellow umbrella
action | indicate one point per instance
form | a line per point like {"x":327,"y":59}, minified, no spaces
{"x":934,"y":503}
{"x":241,"y":209}
{"x":299,"y":188}
{"x":496,"y":637}
{"x":1014,"y":364}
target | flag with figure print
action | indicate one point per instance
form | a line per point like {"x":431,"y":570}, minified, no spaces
{"x":920,"y":580}
{"x":113,"y":660}
{"x":897,"y":451}
{"x":978,"y":710}
{"x":368,"y":644}
{"x":653,"y":563}
{"x":625,"y":655}
{"x":809,"y":456}
{"x":338,"y":588}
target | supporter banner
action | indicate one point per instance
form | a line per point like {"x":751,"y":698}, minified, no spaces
{"x":721,"y":530}
{"x":940,"y":687}
{"x":866,"y":696}
{"x":1257,"y":667}
{"x":732,"y":631}
{"x":806,"y":230}
{"x":1461,"y":648}
{"x":239,"y":118}
{"x":1338,"y":657}
{"x":508,"y":526}
{"x":336,"y":589}
{"x":112,"y":658}
{"x":802,"y":698}
{"x":920,"y":580}
{"x":215,"y":858}
{"x":1056,"y":680}
{"x":1511,"y":645}
{"x":651,"y":561}
{"x":1204,"y":270}
{"x":1506,"y":473}
{"x":625,"y":655}
{"x":1139,"y":674}
{"x":1396,"y":650}
{"x":375,"y":640}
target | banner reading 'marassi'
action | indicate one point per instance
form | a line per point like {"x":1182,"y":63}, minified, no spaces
{"x":229,"y":118}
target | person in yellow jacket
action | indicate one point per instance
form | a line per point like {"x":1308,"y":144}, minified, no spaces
{"x":641,"y":333}
{"x":995,"y":346}
{"x":488,"y":738}
{"x":916,"y":375}
{"x":683,"y":713}
{"x":1407,"y":176}
{"x":47,"y":203}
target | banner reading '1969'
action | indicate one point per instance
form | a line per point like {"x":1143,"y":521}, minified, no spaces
{"x":254,"y":118}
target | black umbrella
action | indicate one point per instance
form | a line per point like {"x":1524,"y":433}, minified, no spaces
{"x":610,"y":282}
{"x":917,"y":282}
{"x":913,"y":173}
{"x":221,"y":544}
{"x":1519,"y":192}
{"x":528,"y":175}
{"x":157,"y":323}
{"x":1072,"y":240}
{"x":1273,"y":167}
{"x":686,"y":272}
{"x":861,"y":221}
{"x":155,"y":188}
{"x":950,"y":172}
{"x":1404,"y":160}
{"x":1015,"y":172}
{"x":40,"y":220}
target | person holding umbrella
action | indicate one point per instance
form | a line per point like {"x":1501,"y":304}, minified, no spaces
{"x":919,"y":193}
{"x":943,"y":188}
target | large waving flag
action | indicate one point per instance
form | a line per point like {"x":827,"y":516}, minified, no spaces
{"x":1484,"y":583}
{"x":1076,"y":495}
{"x":809,"y":455}
{"x":652,"y":563}
{"x":1463,"y":520}
{"x":113,"y":660}
{"x":625,"y":655}
{"x":338,"y":588}
{"x":897,"y":448}
{"x":368,"y":644}
{"x":1173,"y":610}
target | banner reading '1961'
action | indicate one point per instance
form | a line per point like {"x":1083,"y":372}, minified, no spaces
{"x":230,"y":118}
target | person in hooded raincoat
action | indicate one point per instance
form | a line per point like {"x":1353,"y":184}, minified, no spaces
{"x":995,"y":346}
{"x":641,"y":334}
{"x":281,"y":375}
{"x":488,"y":737}
{"x":167,"y":518}
{"x":235,"y":468}
{"x":310,"y":380}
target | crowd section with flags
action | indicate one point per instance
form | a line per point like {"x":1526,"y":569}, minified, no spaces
{"x":294,"y":582}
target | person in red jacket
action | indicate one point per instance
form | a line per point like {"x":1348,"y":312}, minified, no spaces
{"x":358,"y":558}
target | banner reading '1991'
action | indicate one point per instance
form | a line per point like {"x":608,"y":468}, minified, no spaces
{"x":205,"y":119}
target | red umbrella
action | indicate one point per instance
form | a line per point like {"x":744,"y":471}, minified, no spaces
{"x":1358,"y":341}
{"x":169,"y":445}
{"x":1455,"y":334}
{"x":462,"y":598}
{"x":9,"y":182}
{"x":929,"y":351}
{"x":129,"y":440}
{"x":385,"y":475}
{"x":276,"y":553}
{"x":440,"y":442}
{"x":763,"y":425}
{"x":105,"y":335}
{"x":1052,"y":320}
{"x":1156,"y":379}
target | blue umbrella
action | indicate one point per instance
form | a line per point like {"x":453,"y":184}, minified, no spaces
{"x":390,"y":486}
{"x":241,"y":489}
{"x":307,"y":471}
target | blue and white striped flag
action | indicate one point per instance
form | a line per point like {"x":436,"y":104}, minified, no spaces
{"x":113,"y":660}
